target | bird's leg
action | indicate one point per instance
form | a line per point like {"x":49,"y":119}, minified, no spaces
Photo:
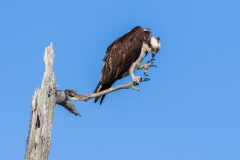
{"x":136,"y":79}
{"x":146,"y":66}
{"x":141,"y":80}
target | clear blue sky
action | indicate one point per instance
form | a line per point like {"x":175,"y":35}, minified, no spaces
{"x":188,"y":111}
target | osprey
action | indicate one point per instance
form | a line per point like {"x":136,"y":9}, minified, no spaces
{"x":125,"y":55}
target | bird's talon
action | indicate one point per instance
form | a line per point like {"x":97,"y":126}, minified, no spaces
{"x":153,"y":66}
{"x":135,"y":84}
{"x":145,"y":79}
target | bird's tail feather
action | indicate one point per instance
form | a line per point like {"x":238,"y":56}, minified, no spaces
{"x":100,"y":87}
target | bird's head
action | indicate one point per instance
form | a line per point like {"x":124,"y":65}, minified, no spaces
{"x":155,"y":45}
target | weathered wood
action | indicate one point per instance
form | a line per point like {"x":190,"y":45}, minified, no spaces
{"x":62,"y":99}
{"x":39,"y":141}
{"x":32,"y":128}
{"x":84,"y":97}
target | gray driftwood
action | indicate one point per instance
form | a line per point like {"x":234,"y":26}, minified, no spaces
{"x":43,"y":105}
{"x":44,"y":101}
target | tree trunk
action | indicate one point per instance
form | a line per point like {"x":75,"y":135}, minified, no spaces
{"x":43,"y":105}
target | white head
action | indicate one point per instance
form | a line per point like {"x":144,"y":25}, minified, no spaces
{"x":155,"y":45}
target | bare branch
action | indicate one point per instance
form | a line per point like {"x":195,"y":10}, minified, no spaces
{"x":84,"y":97}
{"x":62,"y":97}
{"x":76,"y":97}
{"x":63,"y":100}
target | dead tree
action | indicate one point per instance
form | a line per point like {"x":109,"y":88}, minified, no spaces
{"x":44,"y":101}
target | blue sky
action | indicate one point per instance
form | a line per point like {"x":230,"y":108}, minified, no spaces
{"x":188,"y":111}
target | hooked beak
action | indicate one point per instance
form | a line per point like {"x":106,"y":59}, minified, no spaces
{"x":153,"y":55}
{"x":156,"y":50}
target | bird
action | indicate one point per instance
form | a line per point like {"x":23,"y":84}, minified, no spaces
{"x":125,"y":55}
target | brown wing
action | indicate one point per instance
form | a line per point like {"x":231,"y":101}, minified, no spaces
{"x":121,"y":54}
{"x":119,"y":57}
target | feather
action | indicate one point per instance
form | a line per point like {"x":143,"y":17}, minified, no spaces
{"x":120,"y":55}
